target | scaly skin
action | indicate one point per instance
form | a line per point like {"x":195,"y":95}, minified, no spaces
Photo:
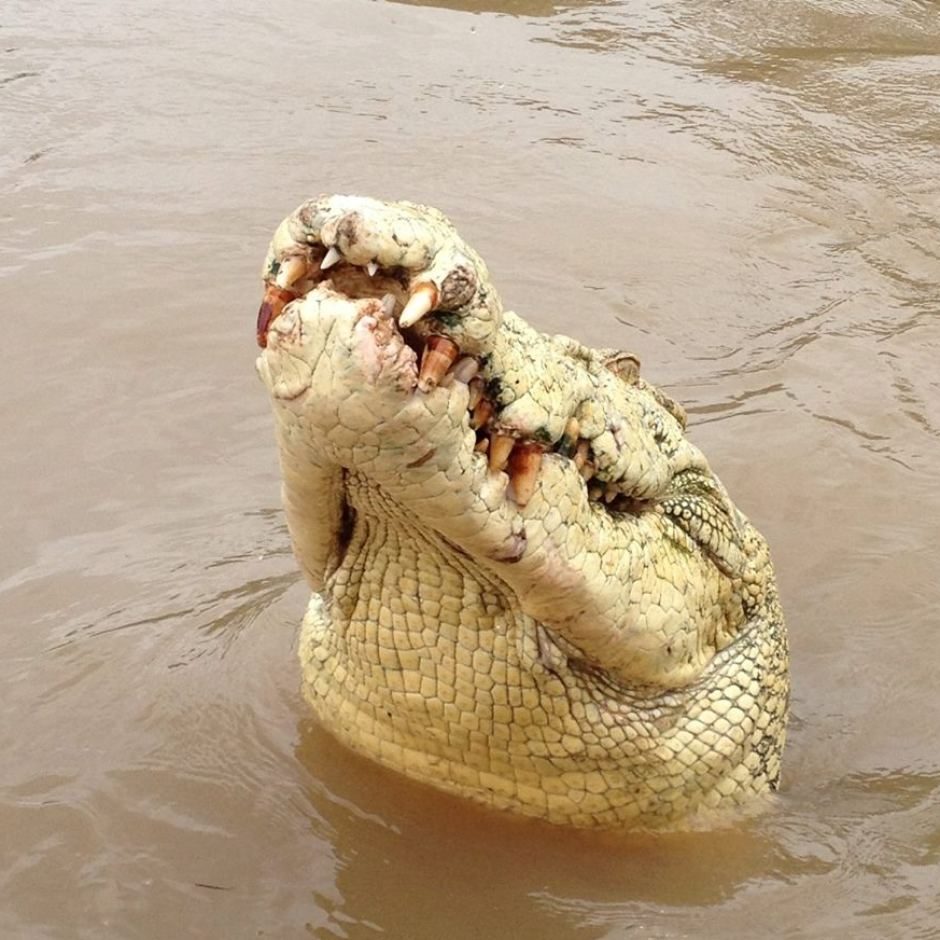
{"x":587,"y":631}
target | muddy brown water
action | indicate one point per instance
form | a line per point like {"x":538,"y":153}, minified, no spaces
{"x":745,"y":194}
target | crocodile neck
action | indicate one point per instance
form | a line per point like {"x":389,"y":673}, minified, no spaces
{"x":410,"y":614}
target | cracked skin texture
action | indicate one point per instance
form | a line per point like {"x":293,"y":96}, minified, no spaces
{"x":586,"y":630}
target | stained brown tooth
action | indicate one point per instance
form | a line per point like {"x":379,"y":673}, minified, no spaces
{"x":481,"y":413}
{"x":524,"y":463}
{"x":439,"y":355}
{"x":275,"y":300}
{"x":466,"y":369}
{"x":610,"y":493}
{"x":581,"y":454}
{"x":569,"y":440}
{"x":588,"y":471}
{"x":482,"y":445}
{"x":476,"y":393}
{"x":595,"y":491}
{"x":501,"y":446}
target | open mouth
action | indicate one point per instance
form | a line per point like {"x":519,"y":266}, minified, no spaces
{"x":431,"y":292}
{"x":296,"y":275}
{"x":401,"y":307}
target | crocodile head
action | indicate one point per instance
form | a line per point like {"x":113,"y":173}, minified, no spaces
{"x":410,"y":403}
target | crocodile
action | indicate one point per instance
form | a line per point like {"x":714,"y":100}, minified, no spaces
{"x":528,"y":586}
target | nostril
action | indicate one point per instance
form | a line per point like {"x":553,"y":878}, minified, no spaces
{"x":458,"y":287}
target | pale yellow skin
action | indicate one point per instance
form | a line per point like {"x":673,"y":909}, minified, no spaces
{"x":590,"y":664}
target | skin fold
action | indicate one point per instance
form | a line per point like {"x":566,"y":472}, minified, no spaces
{"x":530,"y":588}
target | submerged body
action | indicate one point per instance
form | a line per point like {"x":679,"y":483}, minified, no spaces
{"x":531,"y":589}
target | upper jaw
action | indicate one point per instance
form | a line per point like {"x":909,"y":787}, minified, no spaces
{"x":404,"y":272}
{"x":370,"y":248}
{"x":434,"y":292}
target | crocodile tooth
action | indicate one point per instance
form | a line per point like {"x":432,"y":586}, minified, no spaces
{"x":466,"y":369}
{"x":501,"y":446}
{"x":595,"y":491}
{"x":388,"y":305}
{"x":330,"y":258}
{"x":610,"y":493}
{"x":291,"y":271}
{"x":439,"y":355}
{"x":524,"y":463}
{"x":422,"y":301}
{"x":481,"y":413}
{"x":581,"y":454}
{"x":482,"y":445}
{"x":587,"y":471}
{"x":569,"y":439}
{"x":463,"y":371}
{"x":372,"y":267}
{"x":476,"y":393}
{"x":274,"y":301}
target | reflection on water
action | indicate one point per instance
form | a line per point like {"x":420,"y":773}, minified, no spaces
{"x":434,"y":840}
{"x":593,"y":884}
{"x":746,"y":196}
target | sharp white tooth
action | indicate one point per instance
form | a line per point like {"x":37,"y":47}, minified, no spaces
{"x":291,"y":271}
{"x":419,"y":305}
{"x":372,"y":267}
{"x":331,"y":257}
